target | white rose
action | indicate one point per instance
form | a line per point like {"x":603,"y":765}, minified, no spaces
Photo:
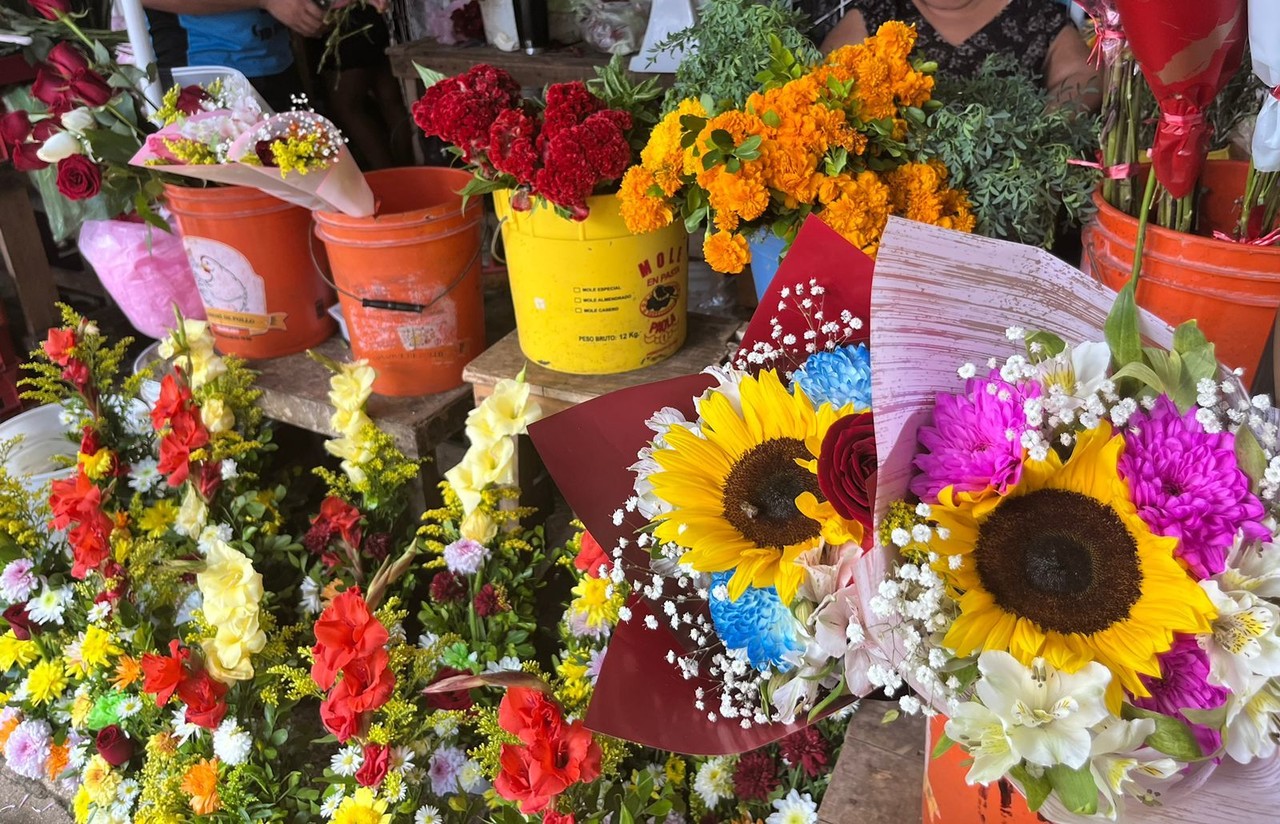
{"x":77,"y":120}
{"x":61,"y":145}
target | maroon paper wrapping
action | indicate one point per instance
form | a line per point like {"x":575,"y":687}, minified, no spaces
{"x":588,"y":450}
{"x":1187,"y":50}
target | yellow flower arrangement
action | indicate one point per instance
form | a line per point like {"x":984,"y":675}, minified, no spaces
{"x":831,"y":142}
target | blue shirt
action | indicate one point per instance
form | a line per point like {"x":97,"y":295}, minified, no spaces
{"x":251,"y":41}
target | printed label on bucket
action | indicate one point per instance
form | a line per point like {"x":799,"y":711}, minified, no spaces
{"x":234,"y":295}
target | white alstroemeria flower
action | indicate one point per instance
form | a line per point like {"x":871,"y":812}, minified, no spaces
{"x":1077,"y":374}
{"x":982,"y":734}
{"x":62,"y":145}
{"x":1118,"y":761}
{"x":1245,"y":639}
{"x":728,"y":384}
{"x":1252,"y":716}
{"x":1047,"y":713}
{"x":797,"y":688}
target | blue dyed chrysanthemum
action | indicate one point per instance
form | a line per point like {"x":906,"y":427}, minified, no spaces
{"x":838,"y":378}
{"x":758,"y":622}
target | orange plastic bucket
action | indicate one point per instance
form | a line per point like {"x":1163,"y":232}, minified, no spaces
{"x":409,"y":279}
{"x":1231,"y":289}
{"x":249,"y":253}
{"x":949,"y":799}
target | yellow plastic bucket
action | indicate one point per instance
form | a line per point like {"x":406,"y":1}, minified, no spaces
{"x":590,"y":297}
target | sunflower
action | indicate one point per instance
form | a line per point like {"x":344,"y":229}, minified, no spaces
{"x":1062,"y":567}
{"x":737,"y":490}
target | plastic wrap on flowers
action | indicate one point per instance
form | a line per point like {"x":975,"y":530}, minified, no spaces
{"x":786,"y":425}
{"x":145,"y":270}
{"x":1077,"y":523}
{"x":1187,"y":50}
{"x":1264,"y":48}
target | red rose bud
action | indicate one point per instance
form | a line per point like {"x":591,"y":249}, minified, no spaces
{"x":377,"y":759}
{"x":847,"y":467}
{"x":210,"y":479}
{"x":50,"y":9}
{"x":45,"y":129}
{"x":114,"y":746}
{"x":19,"y":621}
{"x":190,"y":98}
{"x":203,"y":697}
{"x":89,"y":443}
{"x":79,"y":178}
{"x":455,"y":700}
{"x":66,"y":80}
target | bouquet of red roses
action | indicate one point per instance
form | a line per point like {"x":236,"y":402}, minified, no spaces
{"x":575,"y":143}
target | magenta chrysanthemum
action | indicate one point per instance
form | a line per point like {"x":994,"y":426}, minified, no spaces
{"x":975,"y":442}
{"x":27,"y":749}
{"x":1185,"y":685}
{"x":1187,"y":484}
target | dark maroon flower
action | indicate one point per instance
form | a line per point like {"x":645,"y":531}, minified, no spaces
{"x":806,"y":749}
{"x":190,"y":98}
{"x":66,"y":80}
{"x":50,"y":9}
{"x":262,"y":149}
{"x":79,"y":178}
{"x":847,"y":467}
{"x":755,"y":776}
{"x":489,"y":601}
{"x":318,"y":537}
{"x":19,"y":621}
{"x":377,"y":545}
{"x":454,"y":700}
{"x":114,"y":746}
{"x":446,"y":588}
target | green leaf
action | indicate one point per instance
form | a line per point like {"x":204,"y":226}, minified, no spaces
{"x":1075,"y":788}
{"x":940,"y":749}
{"x":1142,"y":372}
{"x":771,"y":119}
{"x":430,"y":77}
{"x":1122,"y":328}
{"x":722,"y":140}
{"x":890,"y":716}
{"x":1035,"y":787}
{"x":1215,"y":718}
{"x":751,"y":144}
{"x":1188,"y":337}
{"x":1172,"y":737}
{"x":1050,"y":346}
{"x":1250,"y":454}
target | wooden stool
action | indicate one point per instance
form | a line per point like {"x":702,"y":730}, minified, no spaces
{"x":295,"y":390}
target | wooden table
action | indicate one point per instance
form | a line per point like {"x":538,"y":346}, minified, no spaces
{"x":711,"y":340}
{"x":295,"y":390}
{"x":22,"y":255}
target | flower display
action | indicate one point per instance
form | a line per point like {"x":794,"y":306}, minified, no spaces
{"x":830,"y":139}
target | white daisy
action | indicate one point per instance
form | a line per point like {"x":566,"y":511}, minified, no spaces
{"x":346,"y":762}
{"x":427,"y":815}
{"x":144,"y":474}
{"x":183,"y":731}
{"x":401,"y":759}
{"x":330,"y":806}
{"x":794,"y":808}
{"x":129,"y":707}
{"x":100,"y":612}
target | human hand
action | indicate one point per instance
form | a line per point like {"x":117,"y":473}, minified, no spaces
{"x":302,"y":16}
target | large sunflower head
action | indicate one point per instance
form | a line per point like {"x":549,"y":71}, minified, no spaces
{"x":743,"y":492}
{"x":1062,"y":567}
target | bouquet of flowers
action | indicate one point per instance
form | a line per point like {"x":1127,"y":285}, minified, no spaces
{"x":839,"y":140}
{"x":561,"y":151}
{"x":1086,"y":580}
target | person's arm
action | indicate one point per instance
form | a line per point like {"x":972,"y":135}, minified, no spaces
{"x":1068,"y":76}
{"x":851,"y":30}
{"x":302,"y":16}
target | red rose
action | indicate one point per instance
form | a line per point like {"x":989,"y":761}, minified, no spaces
{"x":19,"y":621}
{"x":163,"y":673}
{"x":50,"y":9}
{"x":190,"y":98}
{"x":847,"y":467}
{"x":591,"y":556}
{"x":204,"y":699}
{"x":345,"y":632}
{"x":515,"y":782}
{"x":79,"y":178}
{"x":455,"y":700}
{"x":15,"y":128}
{"x":344,"y":517}
{"x":25,"y":159}
{"x":529,"y":714}
{"x":114,"y":746}
{"x":59,"y":344}
{"x":66,"y":80}
{"x":377,"y":759}
{"x":553,"y":817}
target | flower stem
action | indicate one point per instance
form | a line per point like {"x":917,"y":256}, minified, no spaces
{"x":1143,"y":219}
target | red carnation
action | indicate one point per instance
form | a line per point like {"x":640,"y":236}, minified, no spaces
{"x":847,"y":467}
{"x":50,"y":9}
{"x":163,"y":673}
{"x":377,"y":546}
{"x":529,"y":714}
{"x":446,"y":588}
{"x":204,"y":699}
{"x":806,"y":749}
{"x":66,"y":80}
{"x":114,"y":746}
{"x":591,"y":556}
{"x":345,"y":632}
{"x":377,"y":760}
{"x":318,"y":537}
{"x":453,"y":700}
{"x":489,"y":601}
{"x":755,"y":777}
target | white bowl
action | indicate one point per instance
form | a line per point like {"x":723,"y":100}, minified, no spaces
{"x":44,"y":440}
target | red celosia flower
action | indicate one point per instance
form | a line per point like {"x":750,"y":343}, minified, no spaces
{"x":345,"y":632}
{"x":377,"y":760}
{"x":343,"y":517}
{"x":59,"y":344}
{"x":568,"y":104}
{"x":511,"y":145}
{"x":580,"y":158}
{"x":367,"y":684}
{"x":455,"y":700}
{"x":66,"y":80}
{"x":489,"y":601}
{"x":806,"y":749}
{"x":203,"y":696}
{"x":163,"y":673}
{"x":446,"y":588}
{"x":755,"y":776}
{"x":591,"y":556}
{"x":461,"y":109}
{"x":529,"y":715}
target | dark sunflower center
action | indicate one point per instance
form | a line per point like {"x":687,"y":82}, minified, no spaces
{"x":1061,"y":559}
{"x":760,"y":494}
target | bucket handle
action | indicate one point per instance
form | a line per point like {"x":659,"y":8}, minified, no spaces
{"x":390,"y":305}
{"x":493,"y":243}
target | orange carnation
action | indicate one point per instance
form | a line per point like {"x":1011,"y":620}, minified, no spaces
{"x":201,"y":783}
{"x":59,"y":755}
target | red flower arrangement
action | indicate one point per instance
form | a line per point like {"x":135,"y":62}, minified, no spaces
{"x":66,"y":80}
{"x":553,"y":755}
{"x":78,"y":501}
{"x":165,"y":675}
{"x":563,"y":154}
{"x":350,"y":642}
{"x":177,"y":416}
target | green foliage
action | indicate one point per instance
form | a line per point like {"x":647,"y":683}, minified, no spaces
{"x":1010,"y":151}
{"x":731,"y":45}
{"x":614,"y":86}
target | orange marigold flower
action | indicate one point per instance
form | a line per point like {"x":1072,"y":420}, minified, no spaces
{"x":162,"y":743}
{"x":59,"y":756}
{"x":128,"y":672}
{"x":726,"y":252}
{"x":642,"y":211}
{"x":7,"y":728}
{"x":663,"y":155}
{"x":201,"y":783}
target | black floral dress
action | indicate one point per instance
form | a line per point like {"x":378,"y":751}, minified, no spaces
{"x":1024,"y":29}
